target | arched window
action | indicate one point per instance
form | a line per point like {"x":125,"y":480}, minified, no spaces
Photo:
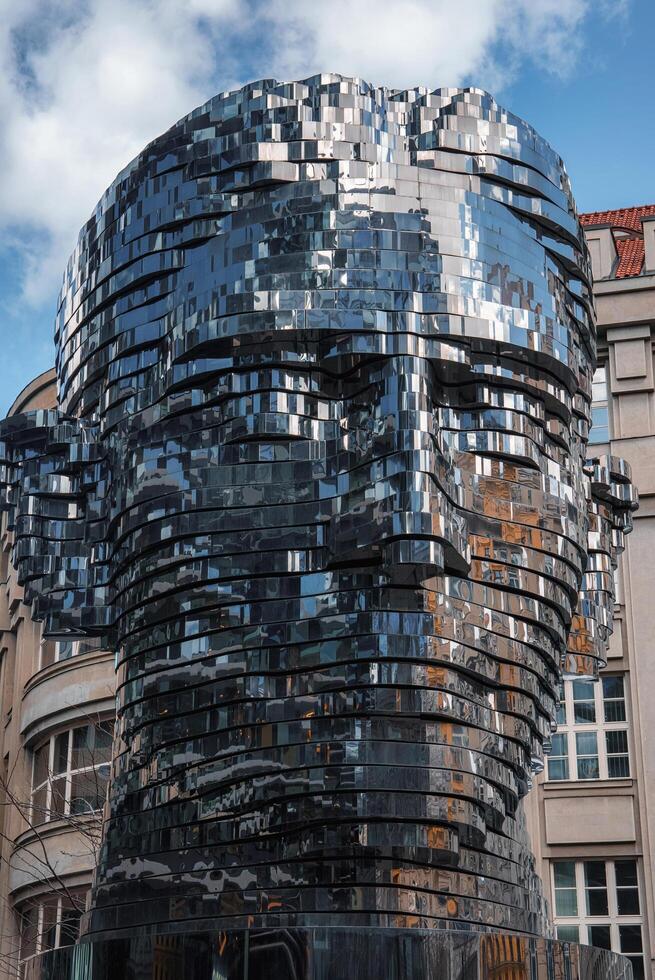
{"x":70,"y":772}
{"x":49,"y":921}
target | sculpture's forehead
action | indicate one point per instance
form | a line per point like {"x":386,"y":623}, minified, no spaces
{"x":322,"y":210}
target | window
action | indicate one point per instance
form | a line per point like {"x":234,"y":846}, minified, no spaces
{"x":584,"y":702}
{"x":599,"y":408}
{"x":558,"y":760}
{"x":597,"y":902}
{"x":50,"y":921}
{"x":54,"y":651}
{"x":566,"y":899}
{"x":70,"y":772}
{"x":586,"y":748}
{"x":616,"y":582}
{"x":592,"y":737}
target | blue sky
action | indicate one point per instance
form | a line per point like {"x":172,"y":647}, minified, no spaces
{"x":85,"y":83}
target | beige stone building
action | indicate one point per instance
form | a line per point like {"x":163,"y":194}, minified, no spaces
{"x":57,"y":707}
{"x":592,"y":816}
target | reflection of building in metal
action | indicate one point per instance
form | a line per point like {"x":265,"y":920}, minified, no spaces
{"x":318,"y":474}
{"x":505,"y":958}
{"x":594,"y":811}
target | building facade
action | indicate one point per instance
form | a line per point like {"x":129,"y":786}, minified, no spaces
{"x":57,"y":704}
{"x":596,"y":799}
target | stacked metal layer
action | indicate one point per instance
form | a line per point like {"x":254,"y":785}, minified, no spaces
{"x":324,"y":356}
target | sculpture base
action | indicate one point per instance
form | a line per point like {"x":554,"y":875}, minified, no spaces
{"x":329,"y":954}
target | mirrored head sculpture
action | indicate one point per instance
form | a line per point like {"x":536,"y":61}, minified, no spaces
{"x":319,"y":476}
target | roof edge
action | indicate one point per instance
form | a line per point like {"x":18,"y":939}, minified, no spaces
{"x":31,"y":389}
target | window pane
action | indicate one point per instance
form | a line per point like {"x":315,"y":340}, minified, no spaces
{"x":630,"y":937}
{"x":584,"y":708}
{"x":569,"y":934}
{"x":597,"y":901}
{"x":102,"y":778}
{"x":599,"y":433}
{"x":561,"y":708}
{"x":627,"y":900}
{"x":558,"y":763}
{"x":564,"y":873}
{"x":41,"y":762}
{"x":617,"y":742}
{"x":599,"y":384}
{"x":583,"y":690}
{"x":60,"y":761}
{"x":47,"y":653}
{"x":588,"y":769}
{"x":566,"y":902}
{"x":596,"y":887}
{"x":82,"y":747}
{"x":29,"y":920}
{"x":614,"y":710}
{"x":49,"y":927}
{"x":558,"y":768}
{"x":594,"y":874}
{"x":70,"y":926}
{"x":626,"y":873}
{"x":616,"y":582}
{"x":57,"y":798}
{"x":39,"y":800}
{"x":618,"y":763}
{"x":584,"y":712}
{"x":64,"y":649}
{"x":91,"y":745}
{"x":559,"y":744}
{"x":104,"y":736}
{"x":586,"y":743}
{"x":637,"y":967}
{"x":613,"y":686}
{"x":88,"y":790}
{"x":587,"y":749}
{"x":618,"y":767}
{"x":77,"y":900}
{"x":600,"y":936}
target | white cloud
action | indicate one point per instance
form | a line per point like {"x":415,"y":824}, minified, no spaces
{"x":84,"y":84}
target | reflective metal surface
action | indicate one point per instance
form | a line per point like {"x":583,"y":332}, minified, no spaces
{"x":331,"y":954}
{"x":318,"y":475}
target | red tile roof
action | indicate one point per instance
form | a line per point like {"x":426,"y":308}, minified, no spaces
{"x":627,"y":218}
{"x":631,"y":257}
{"x":630,"y":250}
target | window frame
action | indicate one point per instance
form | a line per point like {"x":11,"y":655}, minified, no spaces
{"x":569,"y":729}
{"x":41,"y":905}
{"x":63,"y":650}
{"x":612,"y":920}
{"x":46,"y":813}
{"x":600,"y":405}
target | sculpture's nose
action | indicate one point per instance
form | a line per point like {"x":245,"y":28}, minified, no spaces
{"x":398,"y":499}
{"x":405,"y":520}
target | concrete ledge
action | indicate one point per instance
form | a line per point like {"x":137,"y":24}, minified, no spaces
{"x":52,"y":850}
{"x":68,"y":691}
